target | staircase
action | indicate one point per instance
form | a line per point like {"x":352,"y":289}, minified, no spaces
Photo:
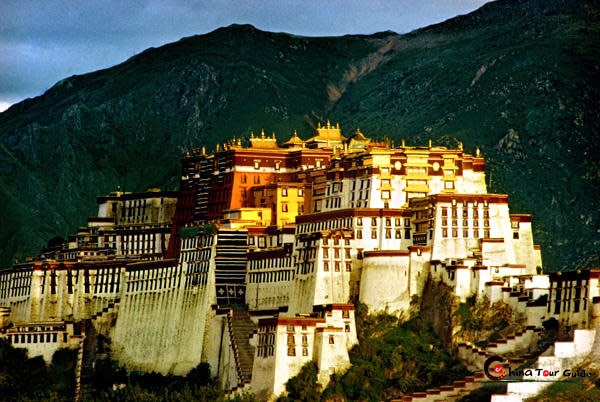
{"x":87,"y":362}
{"x":108,"y":307}
{"x":449,"y":393}
{"x":79,"y":365}
{"x":564,"y":355}
{"x":240,"y":328}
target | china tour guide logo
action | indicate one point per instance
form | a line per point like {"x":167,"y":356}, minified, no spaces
{"x":497,"y":372}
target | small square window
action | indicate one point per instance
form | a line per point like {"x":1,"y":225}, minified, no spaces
{"x":292,"y":351}
{"x":300,"y":192}
{"x":515,"y":235}
{"x":284,"y":192}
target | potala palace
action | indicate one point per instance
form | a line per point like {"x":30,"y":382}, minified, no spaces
{"x":256,"y":263}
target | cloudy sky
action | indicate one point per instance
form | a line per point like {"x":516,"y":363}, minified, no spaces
{"x":43,"y":41}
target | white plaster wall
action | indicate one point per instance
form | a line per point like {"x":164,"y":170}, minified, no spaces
{"x":330,"y":358}
{"x":523,"y":248}
{"x":384,"y":284}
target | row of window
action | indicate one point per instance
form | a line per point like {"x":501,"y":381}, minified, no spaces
{"x":466,"y":222}
{"x":466,"y":233}
{"x":36,"y":338}
{"x":467,"y":212}
{"x":388,"y":234}
{"x":197,"y":242}
{"x":15,"y":284}
{"x":270,"y":263}
{"x":337,"y":266}
{"x":276,"y":276}
{"x":154,"y":279}
{"x":323,"y":225}
{"x":336,"y":253}
{"x":265,"y":241}
{"x":196,"y":255}
{"x":388,"y":222}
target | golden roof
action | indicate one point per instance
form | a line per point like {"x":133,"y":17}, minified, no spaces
{"x":263,"y":142}
{"x":295,"y":140}
{"x":327,"y":133}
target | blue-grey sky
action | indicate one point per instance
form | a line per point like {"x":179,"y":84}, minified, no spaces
{"x":44,"y":41}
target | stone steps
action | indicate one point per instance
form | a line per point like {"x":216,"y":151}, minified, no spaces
{"x":241,"y":328}
{"x":565,"y":355}
{"x":449,"y":393}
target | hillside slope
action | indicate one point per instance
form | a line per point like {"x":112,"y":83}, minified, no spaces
{"x":514,"y":77}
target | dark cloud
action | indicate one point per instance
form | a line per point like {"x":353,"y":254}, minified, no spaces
{"x":42,"y":42}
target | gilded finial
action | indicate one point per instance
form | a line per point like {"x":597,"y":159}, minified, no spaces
{"x":430,"y":143}
{"x":328,"y":124}
{"x":319,"y":125}
{"x":251,"y":135}
{"x":239,"y":142}
{"x":218,"y":147}
{"x":203,"y":151}
{"x":403,"y":144}
{"x":337,"y":125}
{"x":262,"y":134}
{"x":273,"y":135}
{"x":460,"y":146}
{"x":187,"y":154}
{"x":477,"y":152}
{"x":295,"y":133}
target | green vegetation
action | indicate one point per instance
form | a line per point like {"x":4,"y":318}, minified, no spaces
{"x":24,"y":379}
{"x":584,"y":389}
{"x":516,"y":77}
{"x":197,"y":385}
{"x":480,"y":323}
{"x":303,"y":387}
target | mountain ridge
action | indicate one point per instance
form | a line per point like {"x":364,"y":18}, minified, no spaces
{"x":508,"y":85}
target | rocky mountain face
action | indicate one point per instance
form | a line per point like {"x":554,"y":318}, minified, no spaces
{"x":516,"y":78}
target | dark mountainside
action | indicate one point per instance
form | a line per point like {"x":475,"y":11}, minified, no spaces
{"x":517,"y":78}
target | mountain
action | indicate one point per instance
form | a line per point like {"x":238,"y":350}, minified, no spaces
{"x":516,"y":77}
